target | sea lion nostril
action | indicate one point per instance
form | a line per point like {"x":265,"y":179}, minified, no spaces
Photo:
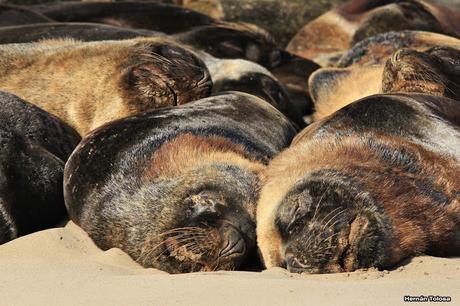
{"x":232,"y":240}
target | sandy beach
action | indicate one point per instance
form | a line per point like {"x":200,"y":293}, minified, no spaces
{"x":62,"y":266}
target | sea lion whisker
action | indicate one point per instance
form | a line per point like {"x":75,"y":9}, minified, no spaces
{"x":182,"y":240}
{"x":174,"y":242}
{"x":181,"y":228}
{"x":329,"y":237}
{"x":331,"y":212}
{"x":317,"y":206}
{"x":332,"y":218}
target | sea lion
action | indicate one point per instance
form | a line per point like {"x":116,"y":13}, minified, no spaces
{"x":369,"y":186}
{"x":362,"y":69}
{"x":223,"y":40}
{"x":435,"y":71}
{"x":155,"y":16}
{"x":225,"y":74}
{"x":89,"y":83}
{"x":15,"y":15}
{"x":325,"y":39}
{"x":176,"y":188}
{"x":34,"y":146}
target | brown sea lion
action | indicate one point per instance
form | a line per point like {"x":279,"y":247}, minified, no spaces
{"x":362,"y":69}
{"x":34,"y":146}
{"x":377,"y":49}
{"x":223,"y":40}
{"x":14,"y":15}
{"x":324,"y":39}
{"x":369,"y":186}
{"x":176,"y":188}
{"x":282,"y":18}
{"x":89,"y":83}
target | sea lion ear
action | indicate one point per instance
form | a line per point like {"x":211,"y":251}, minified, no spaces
{"x":323,"y":81}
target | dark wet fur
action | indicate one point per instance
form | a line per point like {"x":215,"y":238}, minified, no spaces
{"x":11,"y":15}
{"x":143,"y":15}
{"x":34,"y":148}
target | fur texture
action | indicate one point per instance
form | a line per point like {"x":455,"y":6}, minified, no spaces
{"x":89,"y":83}
{"x":34,"y":146}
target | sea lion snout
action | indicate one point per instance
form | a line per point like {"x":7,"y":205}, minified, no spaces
{"x":232,"y":241}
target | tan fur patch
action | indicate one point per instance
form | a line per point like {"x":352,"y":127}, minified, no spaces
{"x":358,"y":83}
{"x":187,"y":152}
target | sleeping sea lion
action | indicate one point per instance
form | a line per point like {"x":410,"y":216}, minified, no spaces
{"x":435,"y":71}
{"x":65,"y":30}
{"x":369,"y":186}
{"x":34,"y":146}
{"x":223,"y":40}
{"x":89,"y":83}
{"x":176,"y":188}
{"x":249,"y":77}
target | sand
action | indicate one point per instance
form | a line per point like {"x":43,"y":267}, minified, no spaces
{"x":62,"y":266}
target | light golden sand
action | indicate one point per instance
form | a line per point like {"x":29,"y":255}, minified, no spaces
{"x":62,"y":266}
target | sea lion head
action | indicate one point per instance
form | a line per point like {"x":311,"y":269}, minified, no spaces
{"x":327,"y":224}
{"x":207,"y":222}
{"x":204,"y":214}
{"x":435,"y":71}
{"x":163,"y":73}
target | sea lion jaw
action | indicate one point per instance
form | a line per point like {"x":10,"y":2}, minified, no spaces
{"x":343,"y":248}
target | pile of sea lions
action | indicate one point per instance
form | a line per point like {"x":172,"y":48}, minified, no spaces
{"x":198,"y":144}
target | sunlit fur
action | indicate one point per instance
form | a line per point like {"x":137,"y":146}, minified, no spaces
{"x":89,"y":83}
